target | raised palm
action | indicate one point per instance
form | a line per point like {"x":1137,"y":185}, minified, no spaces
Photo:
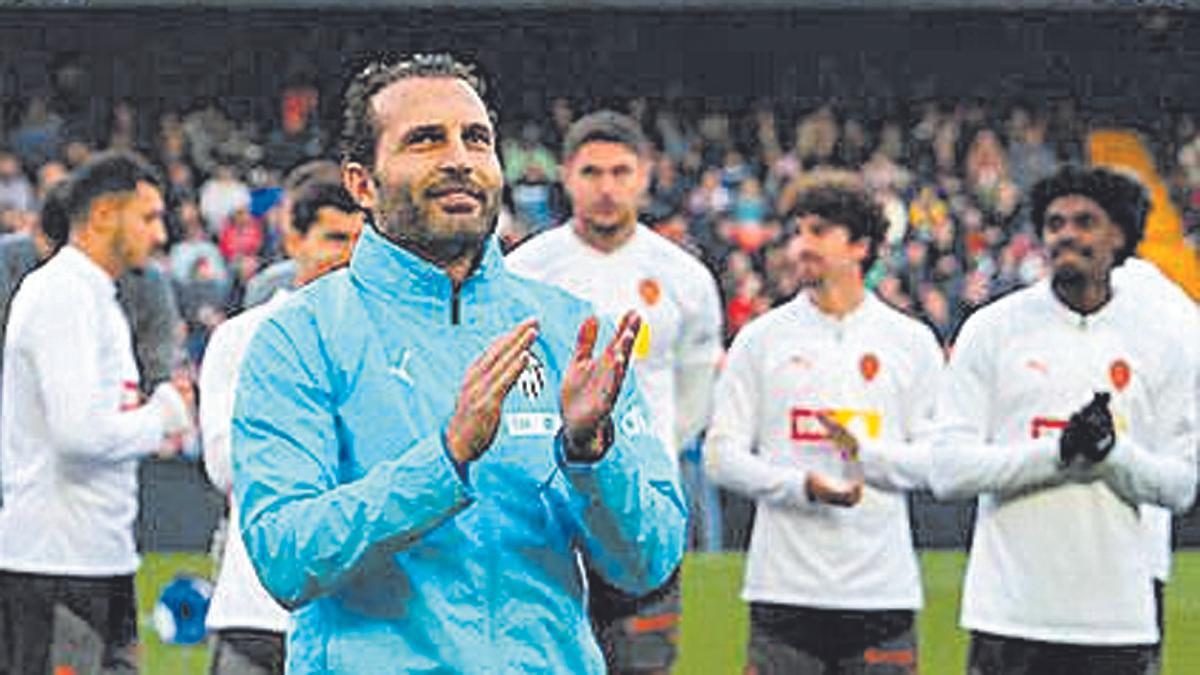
{"x":591,"y":383}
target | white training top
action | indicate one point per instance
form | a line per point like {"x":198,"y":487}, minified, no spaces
{"x":876,"y":372}
{"x":679,"y":345}
{"x":72,"y":428}
{"x":1143,"y":278}
{"x":1060,"y":555}
{"x":239,"y":600}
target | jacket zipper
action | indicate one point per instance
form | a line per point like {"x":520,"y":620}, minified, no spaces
{"x":454,"y":293}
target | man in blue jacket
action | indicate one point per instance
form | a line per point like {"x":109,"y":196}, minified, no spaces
{"x":427,"y":448}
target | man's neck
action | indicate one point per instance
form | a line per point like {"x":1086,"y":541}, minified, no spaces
{"x":457,"y":263}
{"x":837,"y":299}
{"x":97,"y":251}
{"x":605,"y":242}
{"x":1083,"y":296}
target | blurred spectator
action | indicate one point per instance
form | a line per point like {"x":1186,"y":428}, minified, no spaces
{"x":49,"y":175}
{"x":1030,"y":158}
{"x":533,"y":199}
{"x":667,"y":190}
{"x":528,"y":150}
{"x":197,"y":257}
{"x":172,"y":142}
{"x":710,"y":198}
{"x":181,"y":185}
{"x":222,"y":195}
{"x":76,"y":152}
{"x":206,"y":129}
{"x":852,"y":147}
{"x":734,"y":170}
{"x":748,"y":301}
{"x":16,"y":192}
{"x":561,"y":117}
{"x":298,"y":137}
{"x":37,"y":139}
{"x":750,"y":206}
{"x":241,"y":237}
{"x":123,"y":128}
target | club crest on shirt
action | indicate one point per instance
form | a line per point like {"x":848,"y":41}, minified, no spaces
{"x":650,"y":291}
{"x":868,"y":365}
{"x":532,"y":379}
{"x":1120,"y":374}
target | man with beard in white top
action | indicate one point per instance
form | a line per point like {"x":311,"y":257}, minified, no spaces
{"x":823,"y":417}
{"x":1066,"y":407}
{"x":74,"y":427}
{"x":604,"y":255}
{"x":1143,"y":278}
{"x":248,"y":625}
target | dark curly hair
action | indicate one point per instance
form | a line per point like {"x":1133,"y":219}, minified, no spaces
{"x":359,"y":128}
{"x":847,"y":207}
{"x":1122,"y":198}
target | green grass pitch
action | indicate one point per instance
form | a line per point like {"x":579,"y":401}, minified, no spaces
{"x":714,"y":619}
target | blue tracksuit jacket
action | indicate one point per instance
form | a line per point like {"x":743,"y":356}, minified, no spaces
{"x":392,"y":558}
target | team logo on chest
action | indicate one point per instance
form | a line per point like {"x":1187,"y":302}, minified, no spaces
{"x":650,"y":291}
{"x":1120,"y":373}
{"x":532,"y":379}
{"x":868,"y":366}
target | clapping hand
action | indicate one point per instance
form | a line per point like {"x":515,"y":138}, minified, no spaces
{"x":590,"y":387}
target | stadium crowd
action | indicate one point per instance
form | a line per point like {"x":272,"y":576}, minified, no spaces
{"x":951,"y":176}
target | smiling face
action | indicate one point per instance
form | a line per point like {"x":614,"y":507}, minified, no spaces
{"x":435,"y":187}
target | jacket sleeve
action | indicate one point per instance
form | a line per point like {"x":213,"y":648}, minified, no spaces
{"x":729,"y":458}
{"x":966,"y":462}
{"x":1165,"y":475}
{"x":307,"y":532}
{"x":629,"y":504}
{"x":905,"y":464}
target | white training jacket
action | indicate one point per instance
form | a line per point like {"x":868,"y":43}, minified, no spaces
{"x":876,"y":371}
{"x":239,"y":599}
{"x":1144,"y":279}
{"x":1061,"y":556}
{"x":679,"y":345}
{"x":72,"y":427}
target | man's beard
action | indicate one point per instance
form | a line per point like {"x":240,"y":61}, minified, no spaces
{"x":810,"y":275}
{"x":412,"y":226}
{"x":603,"y":229}
{"x":1069,"y":276}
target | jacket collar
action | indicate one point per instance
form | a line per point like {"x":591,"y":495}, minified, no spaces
{"x":391,"y":271}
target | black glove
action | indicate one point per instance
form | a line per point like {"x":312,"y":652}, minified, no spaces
{"x":1089,"y":433}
